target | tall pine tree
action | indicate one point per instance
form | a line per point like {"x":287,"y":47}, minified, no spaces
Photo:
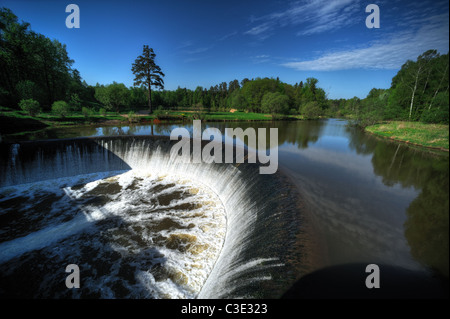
{"x":147,"y":73}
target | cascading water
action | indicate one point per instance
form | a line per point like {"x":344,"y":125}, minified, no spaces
{"x":143,"y":224}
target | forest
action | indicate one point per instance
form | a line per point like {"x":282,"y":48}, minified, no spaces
{"x":37,"y":75}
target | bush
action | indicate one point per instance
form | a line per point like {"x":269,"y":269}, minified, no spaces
{"x":102,"y":112}
{"x":86,"y":111}
{"x":30,"y":106}
{"x":132,"y":117}
{"x":60,"y":108}
{"x":369,"y":118}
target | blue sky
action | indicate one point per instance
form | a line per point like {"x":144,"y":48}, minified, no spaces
{"x":203,"y":43}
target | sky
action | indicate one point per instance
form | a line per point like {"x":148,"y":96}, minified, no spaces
{"x":206,"y":42}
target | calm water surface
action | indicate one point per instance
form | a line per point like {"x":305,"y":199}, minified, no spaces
{"x":373,"y":200}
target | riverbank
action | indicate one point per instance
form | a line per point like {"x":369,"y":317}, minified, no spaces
{"x":14,"y":121}
{"x":435,"y":136}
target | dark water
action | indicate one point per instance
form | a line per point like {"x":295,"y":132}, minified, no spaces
{"x":373,"y":200}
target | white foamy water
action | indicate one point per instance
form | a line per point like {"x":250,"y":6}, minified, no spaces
{"x":138,"y":234}
{"x":160,"y":233}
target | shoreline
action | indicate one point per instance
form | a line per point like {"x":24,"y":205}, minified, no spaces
{"x":392,"y":138}
{"x":23,"y":128}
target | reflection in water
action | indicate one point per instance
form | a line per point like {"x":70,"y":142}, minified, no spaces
{"x":375,"y":199}
{"x":427,"y":224}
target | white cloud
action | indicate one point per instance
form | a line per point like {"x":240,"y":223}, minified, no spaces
{"x":388,"y":54}
{"x":198,"y":50}
{"x":315,"y":16}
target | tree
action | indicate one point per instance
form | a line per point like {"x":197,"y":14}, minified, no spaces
{"x":28,"y":57}
{"x":147,"y":73}
{"x":61,"y":108}
{"x":138,"y":96}
{"x":30,"y":106}
{"x":412,"y":83}
{"x":75,"y":102}
{"x":311,"y":110}
{"x":275,"y":103}
{"x":113,"y":95}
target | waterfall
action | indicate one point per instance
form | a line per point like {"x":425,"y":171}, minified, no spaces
{"x":265,"y":249}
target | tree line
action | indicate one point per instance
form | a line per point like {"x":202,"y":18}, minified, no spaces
{"x":38,"y":71}
{"x":418,"y":92}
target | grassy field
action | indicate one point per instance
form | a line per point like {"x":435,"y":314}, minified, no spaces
{"x":428,"y":135}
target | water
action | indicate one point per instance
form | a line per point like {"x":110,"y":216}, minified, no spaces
{"x":370,"y":200}
{"x":141,"y":223}
{"x":128,"y":224}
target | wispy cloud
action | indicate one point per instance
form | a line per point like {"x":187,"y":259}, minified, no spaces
{"x":185,"y":44}
{"x":227,"y":36}
{"x":387,"y":54}
{"x":198,"y":50}
{"x":311,"y":16}
{"x":262,"y":58}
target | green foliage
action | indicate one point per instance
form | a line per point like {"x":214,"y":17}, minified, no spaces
{"x":86,"y":112}
{"x":416,"y":87}
{"x":61,"y":108}
{"x":132,"y":117}
{"x":138,"y":96}
{"x":37,"y":67}
{"x":102,"y":112}
{"x":371,"y":109}
{"x":30,"y":106}
{"x":275,"y":103}
{"x":147,"y":72}
{"x":439,"y":113}
{"x":75,"y":102}
{"x":112,"y":96}
{"x":254,"y":91}
{"x":26,"y":90}
{"x":311,"y":110}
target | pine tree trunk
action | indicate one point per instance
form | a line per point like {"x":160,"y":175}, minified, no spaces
{"x":150,"y":99}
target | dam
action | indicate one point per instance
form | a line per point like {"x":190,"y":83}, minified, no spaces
{"x":140,"y":223}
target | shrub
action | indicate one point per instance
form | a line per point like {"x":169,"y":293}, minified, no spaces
{"x":30,"y":106}
{"x":86,"y":112}
{"x":102,"y":111}
{"x":132,"y":117}
{"x":60,"y":108}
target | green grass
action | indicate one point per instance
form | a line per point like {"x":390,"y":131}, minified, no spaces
{"x":14,"y":121}
{"x":228,"y":116}
{"x":428,"y":135}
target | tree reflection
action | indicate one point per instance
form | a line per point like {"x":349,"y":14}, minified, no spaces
{"x":300,"y":133}
{"x":427,"y":226}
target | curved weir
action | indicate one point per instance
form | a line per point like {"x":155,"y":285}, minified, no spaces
{"x":265,"y":246}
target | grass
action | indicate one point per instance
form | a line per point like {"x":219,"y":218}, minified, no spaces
{"x":428,"y":135}
{"x":13,"y":121}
